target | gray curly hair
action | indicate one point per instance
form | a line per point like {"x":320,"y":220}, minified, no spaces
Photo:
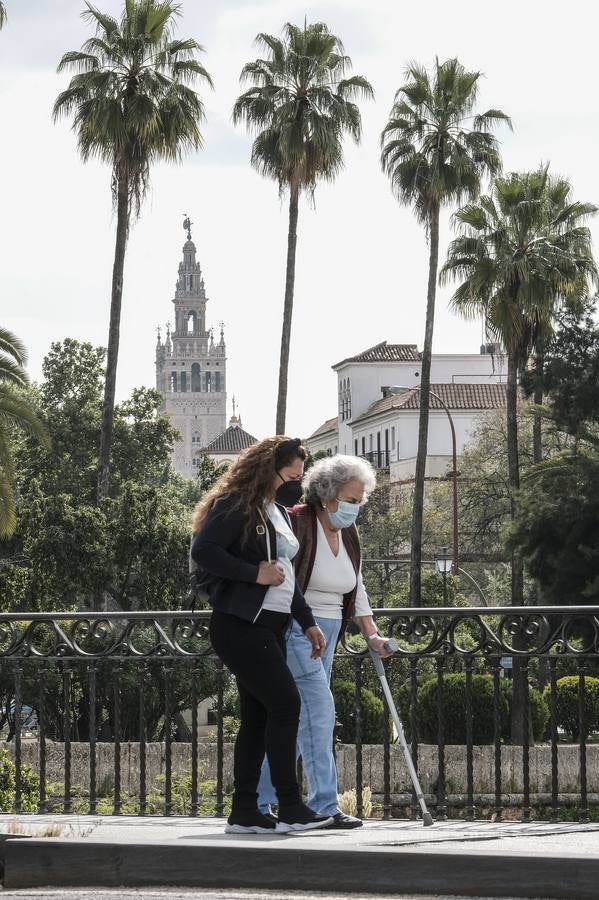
{"x":323,"y":480}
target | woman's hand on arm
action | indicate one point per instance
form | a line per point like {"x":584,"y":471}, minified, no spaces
{"x":270,"y":573}
{"x":318,"y":641}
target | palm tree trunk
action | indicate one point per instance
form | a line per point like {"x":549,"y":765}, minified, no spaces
{"x":519,"y":686}
{"x":122,"y":230}
{"x":288,"y":307}
{"x":537,"y":433}
{"x":513,"y":466}
{"x":425,"y":381}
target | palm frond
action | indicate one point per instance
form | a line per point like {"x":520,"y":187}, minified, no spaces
{"x":299,"y":105}
{"x":433,"y":151}
{"x":133,"y":98}
{"x":13,"y":346}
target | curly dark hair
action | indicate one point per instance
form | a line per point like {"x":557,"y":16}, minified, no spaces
{"x":250,"y":476}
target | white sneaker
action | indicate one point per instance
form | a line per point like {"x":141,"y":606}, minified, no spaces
{"x":301,"y":818}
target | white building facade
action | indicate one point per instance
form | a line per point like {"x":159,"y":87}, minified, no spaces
{"x":191,"y":368}
{"x":379,"y":404}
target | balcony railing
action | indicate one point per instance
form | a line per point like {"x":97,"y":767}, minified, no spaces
{"x":380,"y":459}
{"x":100,"y":712}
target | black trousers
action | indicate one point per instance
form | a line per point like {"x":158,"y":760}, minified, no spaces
{"x":269,"y":701}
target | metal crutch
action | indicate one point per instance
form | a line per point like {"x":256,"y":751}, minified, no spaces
{"x":393,"y":646}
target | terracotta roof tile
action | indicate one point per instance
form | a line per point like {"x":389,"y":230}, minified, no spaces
{"x":455,"y":396}
{"x":233,"y":440}
{"x":325,"y":428}
{"x":384,"y":352}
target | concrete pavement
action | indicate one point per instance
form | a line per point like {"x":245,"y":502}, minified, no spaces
{"x":400,"y":858}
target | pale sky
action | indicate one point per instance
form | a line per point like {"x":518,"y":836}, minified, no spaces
{"x":361,"y":259}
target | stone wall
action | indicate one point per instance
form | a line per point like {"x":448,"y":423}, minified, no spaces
{"x":372,"y":766}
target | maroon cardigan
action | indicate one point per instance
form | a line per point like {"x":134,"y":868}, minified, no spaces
{"x":304,"y":524}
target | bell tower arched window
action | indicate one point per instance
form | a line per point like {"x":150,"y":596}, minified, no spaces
{"x":196,"y":378}
{"x":173,"y":382}
{"x":183,"y":381}
{"x":191,"y":325}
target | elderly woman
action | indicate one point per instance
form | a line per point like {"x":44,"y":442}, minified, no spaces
{"x":328,"y":571}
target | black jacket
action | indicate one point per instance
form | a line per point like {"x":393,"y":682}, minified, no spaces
{"x":230,"y":565}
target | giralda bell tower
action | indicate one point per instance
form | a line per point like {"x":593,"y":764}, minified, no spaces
{"x":191,"y":367}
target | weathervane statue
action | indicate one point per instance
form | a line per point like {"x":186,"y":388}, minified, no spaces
{"x":187,"y":223}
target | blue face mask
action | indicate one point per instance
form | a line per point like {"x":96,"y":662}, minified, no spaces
{"x":345,"y":515}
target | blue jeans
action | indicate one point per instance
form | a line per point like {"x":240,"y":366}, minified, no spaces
{"x":317,"y":720}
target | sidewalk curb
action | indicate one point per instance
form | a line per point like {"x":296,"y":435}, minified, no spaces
{"x":57,"y":863}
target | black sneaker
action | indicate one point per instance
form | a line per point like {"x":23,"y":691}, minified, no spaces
{"x":251,"y":822}
{"x":341,"y":820}
{"x":300,"y":818}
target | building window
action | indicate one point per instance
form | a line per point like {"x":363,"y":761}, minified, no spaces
{"x":356,"y":447}
{"x":184,"y":381}
{"x":192,"y":322}
{"x":196,"y":378}
{"x":217,"y":386}
{"x":363,"y":445}
{"x":174,"y":382}
{"x":370,"y":443}
{"x":208,"y":382}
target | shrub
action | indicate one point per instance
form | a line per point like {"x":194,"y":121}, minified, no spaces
{"x":538,"y":706}
{"x":454,"y":702}
{"x":373,"y":714}
{"x":29,"y":785}
{"x":566,"y":705}
{"x":454,"y":707}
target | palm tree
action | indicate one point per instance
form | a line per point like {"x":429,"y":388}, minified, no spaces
{"x":435,"y":151}
{"x":132,"y":103}
{"x":522,"y":250}
{"x":15,"y":411}
{"x":300,"y":106}
{"x":2,"y":14}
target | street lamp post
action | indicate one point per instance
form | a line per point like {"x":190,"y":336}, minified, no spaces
{"x":454,"y":478}
{"x":454,"y":471}
{"x":443,"y":564}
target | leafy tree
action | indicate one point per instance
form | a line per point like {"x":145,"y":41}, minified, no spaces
{"x":208,"y":471}
{"x":15,"y":412}
{"x":522,"y":250}
{"x":300,"y":106}
{"x":556,"y":527}
{"x":569,"y":373}
{"x":435,"y":152}
{"x":132,"y":105}
{"x":556,"y":523}
{"x":68,"y":551}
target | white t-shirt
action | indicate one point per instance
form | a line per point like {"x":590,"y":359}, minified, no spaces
{"x":279,"y":596}
{"x":332,"y":577}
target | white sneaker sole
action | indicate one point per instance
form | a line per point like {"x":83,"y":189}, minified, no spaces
{"x":286,"y":827}
{"x":247,"y":829}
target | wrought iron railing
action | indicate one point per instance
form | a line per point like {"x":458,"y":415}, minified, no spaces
{"x":96,"y":687}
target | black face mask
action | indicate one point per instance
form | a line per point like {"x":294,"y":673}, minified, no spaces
{"x":289,"y":493}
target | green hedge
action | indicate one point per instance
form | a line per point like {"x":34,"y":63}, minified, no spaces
{"x":566,"y":704}
{"x":373,"y":714}
{"x":30,"y":784}
{"x":454,"y":702}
